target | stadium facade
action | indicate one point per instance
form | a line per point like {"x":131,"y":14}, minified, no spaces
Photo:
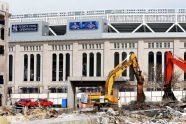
{"x":47,"y":51}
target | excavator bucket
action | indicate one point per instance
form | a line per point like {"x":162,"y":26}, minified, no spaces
{"x":168,"y":95}
{"x":140,"y":94}
{"x":169,"y":67}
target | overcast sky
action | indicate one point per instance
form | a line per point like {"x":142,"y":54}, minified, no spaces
{"x":42,"y":6}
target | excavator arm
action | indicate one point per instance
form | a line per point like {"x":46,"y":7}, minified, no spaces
{"x":119,"y":69}
{"x":169,"y":69}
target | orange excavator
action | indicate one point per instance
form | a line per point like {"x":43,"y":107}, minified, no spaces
{"x":169,"y":69}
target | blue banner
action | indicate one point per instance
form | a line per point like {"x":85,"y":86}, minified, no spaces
{"x":90,"y":25}
{"x":75,"y":25}
{"x":25,"y":28}
{"x":86,"y":25}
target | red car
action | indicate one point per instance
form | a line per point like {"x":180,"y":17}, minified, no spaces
{"x":44,"y":103}
{"x":26,"y":102}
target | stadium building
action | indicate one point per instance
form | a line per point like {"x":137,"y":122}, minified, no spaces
{"x":56,"y":52}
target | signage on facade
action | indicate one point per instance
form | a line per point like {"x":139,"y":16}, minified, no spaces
{"x":25,"y":28}
{"x":85,"y":25}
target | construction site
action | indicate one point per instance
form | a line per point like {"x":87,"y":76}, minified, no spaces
{"x":93,"y":67}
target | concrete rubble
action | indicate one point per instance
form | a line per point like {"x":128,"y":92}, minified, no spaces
{"x":133,"y":113}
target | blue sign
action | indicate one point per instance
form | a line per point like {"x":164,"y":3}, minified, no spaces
{"x":25,"y":28}
{"x":90,"y":25}
{"x":75,"y":25}
{"x":86,"y":25}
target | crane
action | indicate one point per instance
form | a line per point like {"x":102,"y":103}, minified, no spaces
{"x":108,"y":97}
{"x":170,"y":60}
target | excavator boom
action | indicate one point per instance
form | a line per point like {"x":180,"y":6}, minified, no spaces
{"x":108,"y":97}
{"x":119,"y":69}
{"x":169,"y":70}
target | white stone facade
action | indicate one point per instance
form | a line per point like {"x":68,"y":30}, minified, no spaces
{"x":149,"y":39}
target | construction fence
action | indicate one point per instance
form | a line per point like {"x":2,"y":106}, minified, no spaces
{"x":124,"y":97}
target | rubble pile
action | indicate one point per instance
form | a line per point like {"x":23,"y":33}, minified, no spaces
{"x":133,"y":113}
{"x":146,"y":113}
{"x":6,"y":111}
{"x":132,"y":106}
{"x":40,"y":113}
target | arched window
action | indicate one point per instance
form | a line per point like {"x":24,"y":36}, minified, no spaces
{"x":2,"y":33}
{"x":25,"y":67}
{"x":84,"y":64}
{"x":131,"y":71}
{"x":91,"y":66}
{"x":124,"y":56}
{"x":67,"y":66}
{"x":116,"y":59}
{"x":38,"y":67}
{"x":184,"y":59}
{"x":60,"y":67}
{"x":31,"y":67}
{"x":54,"y":64}
{"x":151,"y":66}
{"x":165,"y":62}
{"x":158,"y":66}
{"x":10,"y":67}
{"x":98,"y":63}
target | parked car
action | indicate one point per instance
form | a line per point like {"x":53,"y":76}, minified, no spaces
{"x":26,"y":102}
{"x":44,"y":102}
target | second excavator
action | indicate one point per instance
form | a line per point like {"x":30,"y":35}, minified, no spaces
{"x":170,"y":61}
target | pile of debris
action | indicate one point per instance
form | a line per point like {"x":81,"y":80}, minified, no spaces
{"x":40,"y":113}
{"x":144,"y":113}
{"x":6,"y":111}
{"x":134,"y":105}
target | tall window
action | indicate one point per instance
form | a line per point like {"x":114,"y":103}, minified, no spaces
{"x":151,"y":66}
{"x":54,"y":64}
{"x":2,"y":49}
{"x":184,"y":59}
{"x":60,"y":67}
{"x":116,"y":59}
{"x":38,"y":67}
{"x":25,"y":67}
{"x":10,"y":67}
{"x":67,"y":66}
{"x":124,"y":56}
{"x":131,"y":71}
{"x":98,"y":63}
{"x":2,"y":33}
{"x":165,"y":61}
{"x":159,"y":66}
{"x":31,"y":67}
{"x":91,"y":71}
{"x":84,"y":64}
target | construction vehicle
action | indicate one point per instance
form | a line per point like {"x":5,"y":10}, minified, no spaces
{"x":108,"y":98}
{"x":170,"y":60}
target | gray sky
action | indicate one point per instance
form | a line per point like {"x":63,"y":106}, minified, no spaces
{"x":42,"y":6}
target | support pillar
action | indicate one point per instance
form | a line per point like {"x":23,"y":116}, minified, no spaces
{"x":71,"y":95}
{"x":64,"y":67}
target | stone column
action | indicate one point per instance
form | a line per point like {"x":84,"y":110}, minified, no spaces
{"x":108,"y":59}
{"x":76,"y":58}
{"x":28,"y":79}
{"x":64,"y":67}
{"x":57,"y":67}
{"x":46,"y":68}
{"x":35,"y":66}
{"x":71,"y":95}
